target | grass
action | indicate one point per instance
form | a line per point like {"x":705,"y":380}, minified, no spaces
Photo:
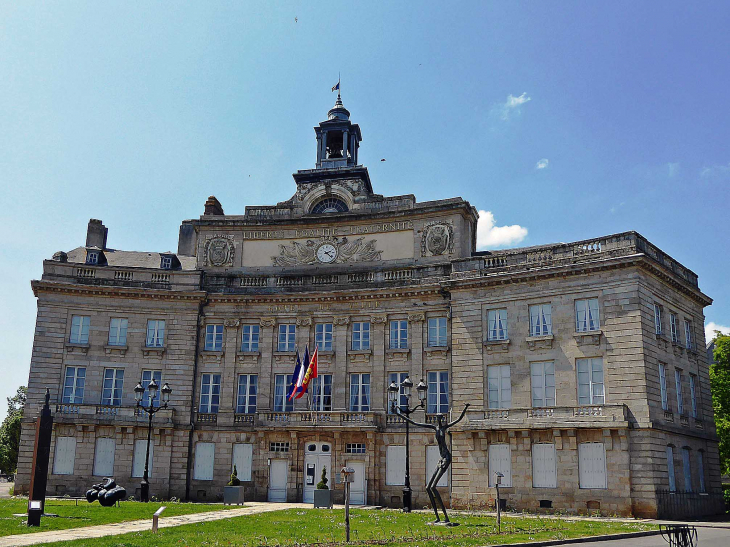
{"x":301,"y":527}
{"x":88,"y":514}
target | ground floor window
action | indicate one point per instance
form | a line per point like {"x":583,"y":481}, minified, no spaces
{"x":500,"y":461}
{"x":242,"y":458}
{"x":544,"y":466}
{"x":355,"y":448}
{"x":432,"y":459}
{"x":670,"y":469}
{"x":204,"y":461}
{"x":64,"y":456}
{"x":592,"y":465}
{"x":395,"y":465}
{"x":104,"y":457}
{"x":140,"y":455}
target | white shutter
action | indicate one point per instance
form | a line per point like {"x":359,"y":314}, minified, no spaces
{"x":242,"y":456}
{"x":395,"y":465}
{"x":104,"y":457}
{"x":500,"y":459}
{"x":204,"y":457}
{"x":140,"y":453}
{"x":432,"y":459}
{"x":544,"y":468}
{"x":65,"y":455}
{"x":592,"y":465}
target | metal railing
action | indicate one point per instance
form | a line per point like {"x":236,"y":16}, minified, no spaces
{"x":688,"y":505}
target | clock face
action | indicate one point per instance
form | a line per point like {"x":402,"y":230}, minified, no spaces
{"x":326,"y":253}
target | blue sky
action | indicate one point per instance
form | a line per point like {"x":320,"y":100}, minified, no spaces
{"x":561,"y":121}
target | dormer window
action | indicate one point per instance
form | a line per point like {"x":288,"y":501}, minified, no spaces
{"x":330,"y":205}
{"x":166,"y":262}
{"x":92,"y":257}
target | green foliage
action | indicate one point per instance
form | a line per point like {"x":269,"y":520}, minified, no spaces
{"x":10,"y":431}
{"x":234,"y":478}
{"x":322,"y":484}
{"x":720,"y":384}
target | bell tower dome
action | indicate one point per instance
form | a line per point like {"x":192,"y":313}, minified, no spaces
{"x":338,"y":139}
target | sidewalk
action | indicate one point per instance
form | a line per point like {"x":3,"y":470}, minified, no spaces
{"x":251,"y":508}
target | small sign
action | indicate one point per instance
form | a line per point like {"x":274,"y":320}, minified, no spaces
{"x":34,"y":504}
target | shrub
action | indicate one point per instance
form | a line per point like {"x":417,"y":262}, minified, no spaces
{"x":322,"y":484}
{"x":234,"y":478}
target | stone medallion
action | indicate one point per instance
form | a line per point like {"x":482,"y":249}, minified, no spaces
{"x":219,"y":251}
{"x":438,"y":239}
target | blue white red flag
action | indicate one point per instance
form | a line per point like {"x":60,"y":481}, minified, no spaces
{"x":336,"y":87}
{"x":300,"y":389}
{"x":310,"y":373}
{"x":298,"y":373}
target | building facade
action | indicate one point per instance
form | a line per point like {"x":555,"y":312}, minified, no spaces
{"x":583,"y":363}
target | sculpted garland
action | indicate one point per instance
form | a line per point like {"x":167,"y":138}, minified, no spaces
{"x":327,"y":250}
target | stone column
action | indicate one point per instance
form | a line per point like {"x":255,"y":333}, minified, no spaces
{"x":320,"y":152}
{"x":340,"y":376}
{"x":345,"y":137}
{"x":229,"y":381}
{"x":378,"y":383}
{"x":264,"y":397}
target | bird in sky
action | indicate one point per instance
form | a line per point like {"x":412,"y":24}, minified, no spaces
{"x":382,"y":159}
{"x":295,"y":19}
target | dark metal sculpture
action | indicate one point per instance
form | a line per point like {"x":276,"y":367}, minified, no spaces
{"x":106,"y":492}
{"x":41,"y":455}
{"x":679,"y":535}
{"x":440,"y":429}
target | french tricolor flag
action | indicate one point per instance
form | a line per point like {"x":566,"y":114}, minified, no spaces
{"x":311,"y":371}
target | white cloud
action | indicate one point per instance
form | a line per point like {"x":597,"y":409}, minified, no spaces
{"x":542,"y":164}
{"x":511,"y":107}
{"x":716,"y":171}
{"x":710,"y":329}
{"x":490,"y":236}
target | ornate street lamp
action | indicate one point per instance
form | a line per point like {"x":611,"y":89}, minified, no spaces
{"x":393,"y":396}
{"x":151,"y":410}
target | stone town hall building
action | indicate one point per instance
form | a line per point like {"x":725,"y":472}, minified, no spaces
{"x":582,"y":362}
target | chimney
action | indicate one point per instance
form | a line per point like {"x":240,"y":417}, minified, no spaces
{"x":96,"y":234}
{"x":213,"y":206}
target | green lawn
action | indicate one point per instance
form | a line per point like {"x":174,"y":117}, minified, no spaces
{"x":88,"y":514}
{"x":298,"y":527}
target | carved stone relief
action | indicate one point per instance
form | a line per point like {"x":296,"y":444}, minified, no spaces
{"x":219,"y":250}
{"x":342,"y":248}
{"x":438,"y":239}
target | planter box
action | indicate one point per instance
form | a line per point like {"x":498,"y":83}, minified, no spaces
{"x":323,"y":499}
{"x":233,"y":495}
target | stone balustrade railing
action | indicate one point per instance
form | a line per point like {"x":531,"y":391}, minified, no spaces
{"x":559,"y":416}
{"x":316,"y":419}
{"x":81,"y":413}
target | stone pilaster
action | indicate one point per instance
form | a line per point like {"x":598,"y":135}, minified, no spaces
{"x":378,"y":379}
{"x":264,"y":401}
{"x":340,"y":376}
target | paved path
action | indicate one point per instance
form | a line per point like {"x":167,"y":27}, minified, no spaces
{"x":707,"y":536}
{"x":141,"y":525}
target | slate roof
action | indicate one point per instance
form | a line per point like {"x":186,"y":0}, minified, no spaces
{"x":131,"y":259}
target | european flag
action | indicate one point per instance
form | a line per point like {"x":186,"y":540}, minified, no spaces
{"x":336,"y":87}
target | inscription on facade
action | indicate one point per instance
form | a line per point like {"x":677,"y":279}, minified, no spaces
{"x":330,"y":231}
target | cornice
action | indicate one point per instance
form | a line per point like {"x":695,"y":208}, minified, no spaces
{"x":41,"y":287}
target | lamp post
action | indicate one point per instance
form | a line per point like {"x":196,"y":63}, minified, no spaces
{"x":151,"y":410}
{"x":393,"y":396}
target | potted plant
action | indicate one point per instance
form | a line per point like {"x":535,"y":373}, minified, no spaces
{"x":323,"y":495}
{"x":233,"y":491}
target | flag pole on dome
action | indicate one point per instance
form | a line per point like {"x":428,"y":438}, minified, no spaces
{"x":336,"y":87}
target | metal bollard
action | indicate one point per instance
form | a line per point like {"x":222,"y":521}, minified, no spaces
{"x":155,"y":518}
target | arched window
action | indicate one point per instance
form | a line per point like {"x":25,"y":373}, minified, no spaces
{"x":330,"y":205}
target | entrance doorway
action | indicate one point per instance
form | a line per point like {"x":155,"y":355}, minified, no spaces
{"x":278,"y":475}
{"x":316,"y":457}
{"x":358,"y":488}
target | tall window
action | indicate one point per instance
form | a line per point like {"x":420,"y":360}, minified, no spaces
{"x":500,"y":461}
{"x":281,"y":384}
{"x":323,"y":336}
{"x":399,"y":334}
{"x":213,"y":337}
{"x":80,"y":329}
{"x":111,"y":393}
{"x":663,"y":385}
{"x":543,"y":383}
{"x":673,"y":327}
{"x":73,"y":385}
{"x":359,"y":392}
{"x":322,"y":393}
{"x":701,"y":470}
{"x":147,"y":376}
{"x":438,"y":392}
{"x":657,"y":318}
{"x":210,"y":393}
{"x":250,"y":338}
{"x":437,"y":332}
{"x":499,"y":386}
{"x":497,"y":322}
{"x":287,"y":337}
{"x":360,"y":336}
{"x":693,"y":394}
{"x":592,"y":465}
{"x":247,"y":391}
{"x":118,"y":332}
{"x":155,"y":333}
{"x":586,"y":315}
{"x":678,"y":383}
{"x":670,"y":469}
{"x":686,"y":469}
{"x":688,"y":338}
{"x":398,"y":378}
{"x":541,"y":323}
{"x":590,"y":381}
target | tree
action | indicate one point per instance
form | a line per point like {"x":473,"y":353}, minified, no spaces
{"x":720,"y":385}
{"x":10,"y":431}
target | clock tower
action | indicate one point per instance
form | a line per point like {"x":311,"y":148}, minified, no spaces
{"x":338,"y":139}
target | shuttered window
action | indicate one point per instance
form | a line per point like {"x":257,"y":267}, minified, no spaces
{"x":432,"y":459}
{"x":104,"y":457}
{"x":242,"y":457}
{"x":693,"y":394}
{"x":687,"y":470}
{"x":592,"y":465}
{"x":663,"y":385}
{"x":140,"y":454}
{"x":65,"y":456}
{"x":544,"y":467}
{"x":670,"y":470}
{"x":500,"y":460}
{"x":395,"y":465}
{"x":204,"y":458}
{"x":678,"y":385}
{"x":543,"y":383}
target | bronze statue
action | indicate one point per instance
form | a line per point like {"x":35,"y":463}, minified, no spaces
{"x":443,"y":464}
